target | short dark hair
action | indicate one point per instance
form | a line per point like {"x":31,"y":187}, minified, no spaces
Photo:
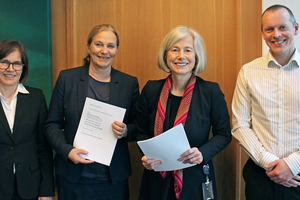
{"x":9,"y":46}
{"x":95,"y":31}
{"x":277,"y":7}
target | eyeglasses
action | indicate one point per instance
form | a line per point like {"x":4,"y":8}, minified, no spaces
{"x":17,"y":66}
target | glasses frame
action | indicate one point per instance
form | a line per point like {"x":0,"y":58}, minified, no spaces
{"x":12,"y":64}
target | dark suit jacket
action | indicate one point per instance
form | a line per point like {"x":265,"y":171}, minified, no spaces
{"x":27,"y":148}
{"x":207,"y":110}
{"x":65,"y":110}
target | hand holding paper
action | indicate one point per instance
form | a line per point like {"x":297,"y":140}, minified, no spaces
{"x":191,"y":156}
{"x":119,"y":129}
{"x":75,"y":156}
{"x":150,"y":163}
{"x":95,"y":133}
{"x":167,"y":147}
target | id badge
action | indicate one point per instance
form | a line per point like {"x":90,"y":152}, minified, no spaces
{"x":207,"y":190}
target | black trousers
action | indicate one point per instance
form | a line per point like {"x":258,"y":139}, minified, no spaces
{"x":89,"y":189}
{"x":260,"y":187}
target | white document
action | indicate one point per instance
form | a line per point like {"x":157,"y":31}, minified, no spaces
{"x":167,"y":147}
{"x":94,"y":132}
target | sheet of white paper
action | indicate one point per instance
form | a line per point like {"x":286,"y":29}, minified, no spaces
{"x":167,"y":147}
{"x":94,"y":132}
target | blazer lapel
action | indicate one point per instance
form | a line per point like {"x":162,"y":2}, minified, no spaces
{"x":4,"y":122}
{"x":82,"y":89}
{"x":114,"y":88}
{"x":22,"y":103}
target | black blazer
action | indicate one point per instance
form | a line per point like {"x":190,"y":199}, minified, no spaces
{"x":65,"y":110}
{"x":207,"y":110}
{"x":27,"y":148}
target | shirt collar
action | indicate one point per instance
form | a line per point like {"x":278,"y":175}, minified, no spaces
{"x":295,"y":59}
{"x":21,"y":89}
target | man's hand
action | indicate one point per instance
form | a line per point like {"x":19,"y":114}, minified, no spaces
{"x":281,"y":174}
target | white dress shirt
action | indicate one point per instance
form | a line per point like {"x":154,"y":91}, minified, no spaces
{"x":266,"y":111}
{"x":10,"y":108}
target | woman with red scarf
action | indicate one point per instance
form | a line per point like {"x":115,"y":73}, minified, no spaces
{"x":183,"y":98}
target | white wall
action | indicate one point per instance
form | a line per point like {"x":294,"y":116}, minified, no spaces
{"x":294,"y":5}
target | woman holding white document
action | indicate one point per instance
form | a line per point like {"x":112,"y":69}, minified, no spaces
{"x":80,"y":178}
{"x":182,"y":98}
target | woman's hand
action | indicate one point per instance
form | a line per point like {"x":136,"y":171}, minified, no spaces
{"x":150,"y":163}
{"x":119,"y":129}
{"x":192,"y":156}
{"x":76,"y":158}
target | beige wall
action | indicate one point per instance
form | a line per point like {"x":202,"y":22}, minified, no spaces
{"x":230,"y":29}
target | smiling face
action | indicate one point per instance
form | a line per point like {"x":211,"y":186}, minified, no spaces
{"x":10,"y":77}
{"x":181,"y":57}
{"x":103,"y":49}
{"x":279,"y":32}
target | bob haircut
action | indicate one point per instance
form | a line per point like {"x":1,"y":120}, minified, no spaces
{"x":275,"y":7}
{"x":95,"y":31}
{"x":174,"y":36}
{"x":9,"y":46}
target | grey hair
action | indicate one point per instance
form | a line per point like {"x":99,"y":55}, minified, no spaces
{"x":174,"y":36}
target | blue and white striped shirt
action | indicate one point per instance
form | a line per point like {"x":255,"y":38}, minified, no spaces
{"x":266,"y":111}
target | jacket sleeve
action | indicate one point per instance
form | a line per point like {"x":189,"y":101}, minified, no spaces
{"x":56,"y":121}
{"x":147,"y":107}
{"x":131,"y":123}
{"x":220,"y":125}
{"x":45,"y":153}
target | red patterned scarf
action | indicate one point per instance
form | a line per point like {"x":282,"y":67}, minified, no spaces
{"x":181,"y":116}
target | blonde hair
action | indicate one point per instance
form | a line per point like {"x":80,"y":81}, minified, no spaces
{"x":95,"y":31}
{"x":174,"y":36}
